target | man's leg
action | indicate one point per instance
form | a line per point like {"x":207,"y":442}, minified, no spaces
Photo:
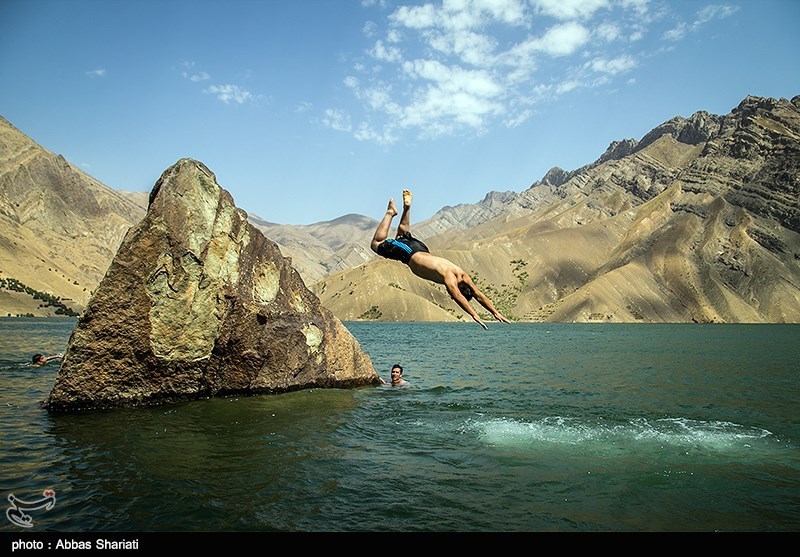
{"x":405,"y":219}
{"x":382,"y":231}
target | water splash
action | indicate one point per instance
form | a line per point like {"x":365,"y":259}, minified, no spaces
{"x":564,"y":431}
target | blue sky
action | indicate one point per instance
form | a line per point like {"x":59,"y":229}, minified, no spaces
{"x":307,"y":110}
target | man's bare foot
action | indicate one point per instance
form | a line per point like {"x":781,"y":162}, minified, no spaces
{"x":391,"y":208}
{"x":407,"y":198}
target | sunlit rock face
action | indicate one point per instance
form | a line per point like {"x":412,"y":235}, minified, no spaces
{"x":198,"y":303}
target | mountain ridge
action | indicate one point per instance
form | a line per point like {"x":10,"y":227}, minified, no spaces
{"x":59,"y":227}
{"x":696,"y":221}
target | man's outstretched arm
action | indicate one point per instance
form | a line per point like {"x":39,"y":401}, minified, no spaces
{"x":455,"y":293}
{"x":487,"y":303}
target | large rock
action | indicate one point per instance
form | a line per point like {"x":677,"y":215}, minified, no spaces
{"x":198,"y":303}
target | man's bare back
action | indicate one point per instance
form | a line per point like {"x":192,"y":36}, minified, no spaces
{"x":427,"y":266}
{"x":435,"y":268}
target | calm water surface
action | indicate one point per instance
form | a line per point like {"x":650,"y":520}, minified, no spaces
{"x":525,"y":427}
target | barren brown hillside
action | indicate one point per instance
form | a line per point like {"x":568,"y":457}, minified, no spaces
{"x":59,"y":228}
{"x":698,"y":221}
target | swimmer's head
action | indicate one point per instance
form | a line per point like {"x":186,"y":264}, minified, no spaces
{"x":397,"y":374}
{"x":36,"y":358}
{"x":466,"y":290}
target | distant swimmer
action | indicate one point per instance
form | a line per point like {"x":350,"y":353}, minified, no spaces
{"x":41,"y":359}
{"x":397,"y":377}
{"x":422,"y":263}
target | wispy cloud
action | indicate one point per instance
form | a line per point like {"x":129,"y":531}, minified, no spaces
{"x":337,"y":120}
{"x":227,"y":93}
{"x":613,"y":66}
{"x":441,"y":68}
{"x":98,"y":72}
{"x":570,"y":9}
{"x":202,"y":76}
{"x":702,"y":16}
{"x":193,"y":75}
{"x":230,"y":93}
{"x":714,"y":11}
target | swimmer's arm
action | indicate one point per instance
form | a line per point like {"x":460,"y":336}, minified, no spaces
{"x":487,"y":303}
{"x":452,"y":289}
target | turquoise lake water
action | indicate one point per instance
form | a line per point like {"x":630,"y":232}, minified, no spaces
{"x":525,"y":427}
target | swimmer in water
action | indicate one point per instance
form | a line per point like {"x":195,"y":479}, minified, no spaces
{"x":41,"y":359}
{"x":397,"y":377}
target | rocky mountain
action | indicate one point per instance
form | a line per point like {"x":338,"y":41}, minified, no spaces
{"x":322,"y":249}
{"x":59,"y":229}
{"x":696,"y":221}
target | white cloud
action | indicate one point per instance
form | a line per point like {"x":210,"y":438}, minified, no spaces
{"x":394,"y":36}
{"x":227,"y":93}
{"x":570,"y":9}
{"x":518,"y":119}
{"x":613,"y":66}
{"x":385,"y":54}
{"x":380,"y":98}
{"x":370,"y":29}
{"x":369,"y":3}
{"x":202,"y":76}
{"x":365,"y":132}
{"x":562,"y":40}
{"x":193,"y":76}
{"x":351,"y":81}
{"x":230,"y":93}
{"x":99,"y":72}
{"x":415,"y":17}
{"x":510,"y":12}
{"x":452,"y":97}
{"x":337,"y":120}
{"x":676,"y":33}
{"x":473,"y":48}
{"x":567,"y":86}
{"x":438,"y":67}
{"x":640,"y":7}
{"x":714,"y":12}
{"x":703,"y":16}
{"x":461,"y":14}
{"x":608,"y":31}
{"x":473,"y":82}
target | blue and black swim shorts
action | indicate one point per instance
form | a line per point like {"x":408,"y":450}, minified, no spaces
{"x":401,"y":248}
